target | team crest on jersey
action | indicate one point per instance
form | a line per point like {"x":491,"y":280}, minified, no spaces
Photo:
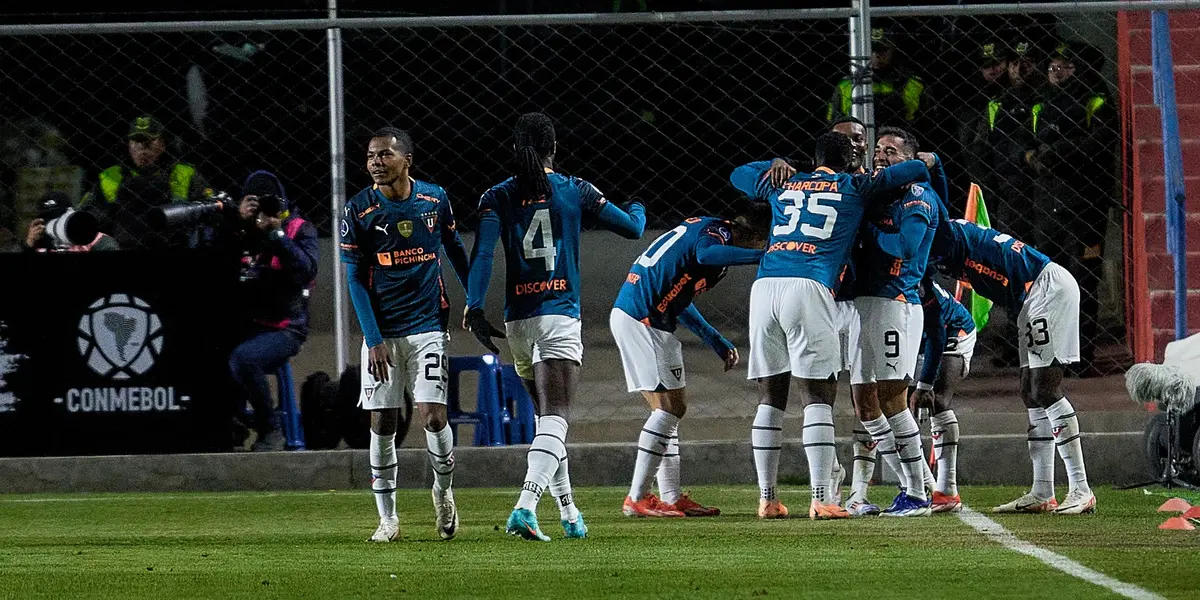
{"x":430,"y":219}
{"x":405,"y":228}
{"x":677,"y":372}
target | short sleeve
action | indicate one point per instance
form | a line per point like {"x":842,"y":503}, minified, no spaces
{"x":590,"y":199}
{"x":349,"y":232}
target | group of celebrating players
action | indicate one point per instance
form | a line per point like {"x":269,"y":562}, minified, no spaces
{"x":846,"y":264}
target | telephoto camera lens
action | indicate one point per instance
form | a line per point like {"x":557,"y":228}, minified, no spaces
{"x":73,"y":228}
{"x":185,"y":213}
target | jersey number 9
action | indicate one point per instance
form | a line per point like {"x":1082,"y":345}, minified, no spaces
{"x":540,"y":223}
{"x":796,"y":209}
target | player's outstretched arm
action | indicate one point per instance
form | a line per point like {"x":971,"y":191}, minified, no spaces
{"x":718,"y":255}
{"x":750,"y":179}
{"x":905,"y":243}
{"x":629,"y":225}
{"x":695,"y":322}
{"x":479,"y":277}
{"x":895,"y":177}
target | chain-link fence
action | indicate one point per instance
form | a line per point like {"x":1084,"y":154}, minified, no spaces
{"x":1026,"y":106}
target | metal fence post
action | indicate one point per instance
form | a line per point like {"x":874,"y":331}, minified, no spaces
{"x":337,"y":198}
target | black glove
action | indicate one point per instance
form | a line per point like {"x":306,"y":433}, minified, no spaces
{"x":484,"y":331}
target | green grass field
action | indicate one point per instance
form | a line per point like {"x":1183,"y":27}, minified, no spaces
{"x":311,"y":545}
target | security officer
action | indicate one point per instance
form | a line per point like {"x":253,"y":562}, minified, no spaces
{"x":988,"y":83}
{"x":1075,"y":161}
{"x":897,"y":93}
{"x":124,"y":194}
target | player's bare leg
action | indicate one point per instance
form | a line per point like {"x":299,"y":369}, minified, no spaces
{"x":818,"y":396}
{"x":1046,"y":389}
{"x":383,"y":472}
{"x":439,"y":441}
{"x":944,"y":434}
{"x":766,"y":441}
{"x":553,"y":389}
{"x":893,"y":402}
{"x":1040,"y":497}
{"x":658,"y":452}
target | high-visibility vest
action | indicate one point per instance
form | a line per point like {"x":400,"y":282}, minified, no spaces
{"x":1093,"y":105}
{"x":910,"y":95}
{"x":180,"y":182}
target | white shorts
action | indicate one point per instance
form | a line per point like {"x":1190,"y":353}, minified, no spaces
{"x":792,"y":329}
{"x":652,"y":358}
{"x":541,"y":338}
{"x":1048,"y":324}
{"x":848,"y":326}
{"x":962,"y":346}
{"x":889,"y":341}
{"x":420,"y":371}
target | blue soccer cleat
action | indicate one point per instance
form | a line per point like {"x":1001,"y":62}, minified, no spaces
{"x":524,"y":523}
{"x":907,"y":506}
{"x":576,"y":529}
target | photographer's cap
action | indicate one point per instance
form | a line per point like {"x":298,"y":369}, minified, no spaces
{"x":145,"y":127}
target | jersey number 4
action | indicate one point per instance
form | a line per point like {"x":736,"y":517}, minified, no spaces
{"x":797,"y":208}
{"x":539,"y":226}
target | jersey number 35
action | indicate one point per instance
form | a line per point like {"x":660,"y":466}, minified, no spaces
{"x":802,"y":202}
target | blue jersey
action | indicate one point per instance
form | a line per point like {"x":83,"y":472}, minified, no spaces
{"x":997,"y":266}
{"x":882,"y":271}
{"x":668,"y":275}
{"x":815,"y":216}
{"x":541,"y":245}
{"x":955,"y":317}
{"x":398,"y":243}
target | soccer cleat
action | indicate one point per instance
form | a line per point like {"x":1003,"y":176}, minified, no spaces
{"x":824,"y":512}
{"x":575,"y":530}
{"x":772,"y":509}
{"x":388,"y":531}
{"x":839,"y":478}
{"x":524,"y":523}
{"x":862,"y":508}
{"x":447,"y":513}
{"x":691,"y":508}
{"x":1028,"y":504}
{"x":649,"y":506}
{"x":907,"y":506}
{"x":944,"y":503}
{"x":1077,"y":502}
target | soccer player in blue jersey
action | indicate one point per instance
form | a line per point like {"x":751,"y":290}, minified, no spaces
{"x":1045,"y":298}
{"x":537,"y":215}
{"x":950,"y":335}
{"x":392,"y":236}
{"x":656,"y":296}
{"x":889,"y":267}
{"x":815,"y":218}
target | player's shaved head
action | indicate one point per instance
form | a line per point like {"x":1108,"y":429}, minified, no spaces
{"x":533,"y":145}
{"x":834,"y":151}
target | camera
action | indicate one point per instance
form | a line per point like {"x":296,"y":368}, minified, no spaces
{"x":73,"y":228}
{"x":217,"y":207}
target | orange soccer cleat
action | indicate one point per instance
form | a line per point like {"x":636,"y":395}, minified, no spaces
{"x":649,"y":506}
{"x":824,"y":512}
{"x":772,"y":509}
{"x":945,"y":503}
{"x":691,"y":508}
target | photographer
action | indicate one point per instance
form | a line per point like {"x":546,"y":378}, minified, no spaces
{"x":278,"y":270}
{"x":60,"y":228}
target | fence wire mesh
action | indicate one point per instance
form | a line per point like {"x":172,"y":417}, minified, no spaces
{"x":660,"y":113}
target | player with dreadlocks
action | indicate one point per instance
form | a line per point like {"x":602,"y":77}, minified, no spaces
{"x":537,"y":215}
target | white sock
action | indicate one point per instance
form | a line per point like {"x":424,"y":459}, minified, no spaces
{"x":652,"y":447}
{"x":560,"y":488}
{"x":885,"y":444}
{"x":864,"y":464}
{"x":1065,"y":428}
{"x":545,"y":457}
{"x":945,"y":450}
{"x":819,"y":448}
{"x":1041,"y":452}
{"x":766,"y":439}
{"x":441,"y":457}
{"x":383,"y":473}
{"x":668,"y":470}
{"x":908,"y":447}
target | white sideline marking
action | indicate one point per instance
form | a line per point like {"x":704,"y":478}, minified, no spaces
{"x":997,"y":533}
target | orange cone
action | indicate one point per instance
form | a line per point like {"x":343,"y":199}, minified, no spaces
{"x":1192,"y":513}
{"x":1174,"y":505}
{"x":1177,"y":523}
